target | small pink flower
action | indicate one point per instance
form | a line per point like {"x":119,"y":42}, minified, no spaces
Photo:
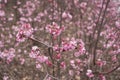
{"x":38,"y":66}
{"x":2,"y":13}
{"x":71,"y":73}
{"x":22,"y":61}
{"x":83,"y":4}
{"x":63,"y":65}
{"x":49,"y":63}
{"x":89,"y":73}
{"x":67,"y":16}
{"x":101,"y":77}
{"x":34,"y":52}
{"x":42,"y":59}
{"x":76,"y":54}
{"x":5,"y":78}
{"x":58,"y":56}
{"x":100,"y":62}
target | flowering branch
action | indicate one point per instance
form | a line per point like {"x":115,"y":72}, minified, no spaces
{"x":38,"y":41}
{"x":108,"y":72}
{"x":99,"y":31}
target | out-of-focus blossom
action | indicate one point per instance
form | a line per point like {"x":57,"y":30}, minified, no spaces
{"x":66,"y":16}
{"x":89,"y":73}
{"x":34,"y":52}
{"x":63,"y":65}
{"x":8,"y":55}
{"x":71,"y":72}
{"x":54,"y":29}
{"x":2,"y":13}
{"x":42,"y":59}
{"x":49,"y":63}
{"x":83,"y":4}
{"x":102,"y":77}
{"x":58,"y":56}
{"x":38,"y":66}
{"x":22,"y":61}
{"x":100,"y":62}
{"x":5,"y":77}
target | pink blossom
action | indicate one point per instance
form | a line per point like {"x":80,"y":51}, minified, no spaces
{"x":114,"y":58}
{"x":49,"y":63}
{"x":72,"y":63}
{"x":117,"y":23}
{"x":76,"y":54}
{"x":100,"y":62}
{"x":71,"y":73}
{"x":42,"y":59}
{"x":2,"y":13}
{"x":22,"y":61}
{"x":101,"y":77}
{"x":25,"y":31}
{"x":8,"y":55}
{"x":58,"y":56}
{"x":89,"y":73}
{"x":67,"y":16}
{"x":63,"y":65}
{"x":83,"y":4}
{"x":56,"y":48}
{"x":5,"y":78}
{"x":54,"y":29}
{"x":38,"y":66}
{"x":34,"y":52}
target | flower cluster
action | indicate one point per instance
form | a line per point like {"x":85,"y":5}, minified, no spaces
{"x":66,"y":45}
{"x":25,"y":30}
{"x":8,"y":55}
{"x":35,"y":54}
{"x":81,"y":49}
{"x":76,"y":63}
{"x":27,"y":9}
{"x":100,"y":62}
{"x":54,"y":29}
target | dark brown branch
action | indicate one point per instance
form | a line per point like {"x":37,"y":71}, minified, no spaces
{"x":40,"y":42}
{"x":98,"y":36}
{"x":114,"y":69}
{"x":108,"y":72}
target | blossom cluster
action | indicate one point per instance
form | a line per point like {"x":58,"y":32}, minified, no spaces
{"x":80,"y":48}
{"x":27,"y":9}
{"x":54,"y":29}
{"x":8,"y":55}
{"x":39,"y":58}
{"x":25,"y":31}
{"x":66,"y":45}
